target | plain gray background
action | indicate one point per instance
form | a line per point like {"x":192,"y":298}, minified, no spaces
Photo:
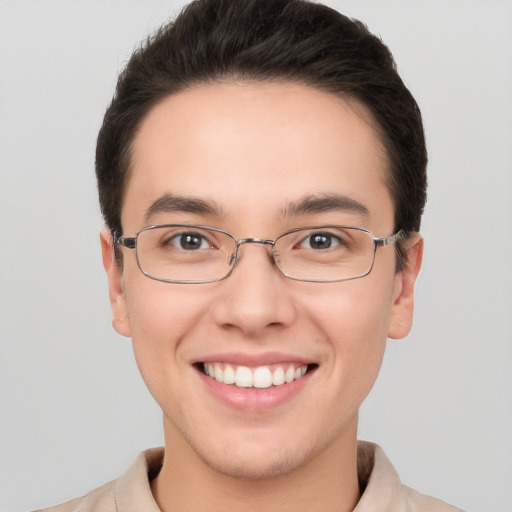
{"x":74,"y":411}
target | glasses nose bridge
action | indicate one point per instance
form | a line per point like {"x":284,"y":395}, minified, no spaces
{"x":262,"y":241}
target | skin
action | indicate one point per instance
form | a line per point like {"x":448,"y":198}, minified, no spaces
{"x":251,"y":149}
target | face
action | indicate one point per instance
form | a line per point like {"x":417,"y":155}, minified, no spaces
{"x":253,"y":154}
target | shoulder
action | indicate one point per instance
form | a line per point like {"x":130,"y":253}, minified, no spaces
{"x":130,"y":492}
{"x":99,"y":500}
{"x":383,"y":489}
{"x":417,"y":502}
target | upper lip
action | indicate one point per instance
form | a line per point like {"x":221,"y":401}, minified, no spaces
{"x":243,"y":359}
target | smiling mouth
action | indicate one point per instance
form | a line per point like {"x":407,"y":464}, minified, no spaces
{"x":260,"y":377}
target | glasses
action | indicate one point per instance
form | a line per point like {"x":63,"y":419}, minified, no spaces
{"x":185,"y":253}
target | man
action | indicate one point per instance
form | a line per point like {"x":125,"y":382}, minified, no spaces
{"x":261,"y":171}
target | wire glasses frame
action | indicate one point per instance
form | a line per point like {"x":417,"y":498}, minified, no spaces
{"x":195,"y":254}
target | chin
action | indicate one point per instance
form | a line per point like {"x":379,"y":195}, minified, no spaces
{"x":258,"y":457}
{"x":254,"y":468}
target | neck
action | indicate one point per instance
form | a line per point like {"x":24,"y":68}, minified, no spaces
{"x":328,"y":482}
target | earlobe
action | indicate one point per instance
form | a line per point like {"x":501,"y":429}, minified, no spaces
{"x":402,"y":310}
{"x":115,"y":285}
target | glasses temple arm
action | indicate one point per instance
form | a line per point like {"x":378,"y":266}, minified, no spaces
{"x":390,"y":239}
{"x":129,"y":242}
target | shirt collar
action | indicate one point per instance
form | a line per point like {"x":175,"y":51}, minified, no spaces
{"x":383,"y":490}
{"x":132,"y":491}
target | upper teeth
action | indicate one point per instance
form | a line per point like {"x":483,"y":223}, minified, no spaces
{"x":259,"y":377}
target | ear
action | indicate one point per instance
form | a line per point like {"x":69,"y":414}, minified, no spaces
{"x":115,"y":284}
{"x":403,"y":295}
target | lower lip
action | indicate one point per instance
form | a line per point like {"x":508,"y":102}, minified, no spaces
{"x":254,"y":399}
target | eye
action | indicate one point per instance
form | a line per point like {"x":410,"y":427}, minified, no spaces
{"x":320,"y":241}
{"x":189,"y":241}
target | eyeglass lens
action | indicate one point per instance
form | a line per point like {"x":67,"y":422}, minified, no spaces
{"x":197,"y":254}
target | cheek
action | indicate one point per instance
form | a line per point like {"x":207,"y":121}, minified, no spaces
{"x":354,"y":310}
{"x":161,"y":315}
{"x":355,"y":321}
{"x":160,"y":311}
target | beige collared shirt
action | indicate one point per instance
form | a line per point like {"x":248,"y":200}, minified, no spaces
{"x":383,"y":490}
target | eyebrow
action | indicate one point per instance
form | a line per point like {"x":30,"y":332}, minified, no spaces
{"x":184,"y":204}
{"x":325,"y":203}
{"x":309,"y":204}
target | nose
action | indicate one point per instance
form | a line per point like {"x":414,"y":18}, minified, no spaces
{"x":256,"y":297}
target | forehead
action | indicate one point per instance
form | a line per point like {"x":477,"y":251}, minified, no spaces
{"x":256,"y":149}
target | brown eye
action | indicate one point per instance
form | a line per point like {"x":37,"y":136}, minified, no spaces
{"x":320,"y":241}
{"x":189,"y":241}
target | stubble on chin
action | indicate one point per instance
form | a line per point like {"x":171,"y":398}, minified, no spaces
{"x":238,"y":462}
